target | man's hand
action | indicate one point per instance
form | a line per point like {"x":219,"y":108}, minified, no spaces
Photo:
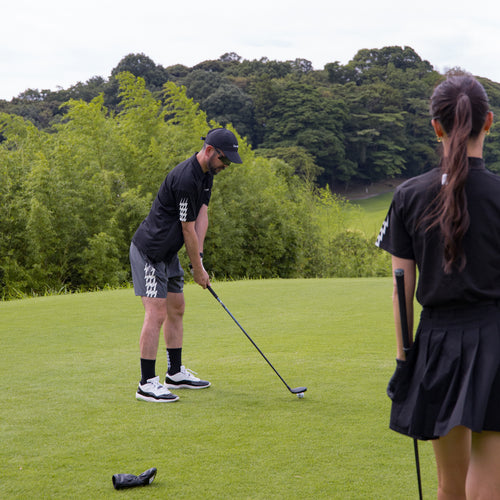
{"x":201,"y":277}
{"x":201,"y":272}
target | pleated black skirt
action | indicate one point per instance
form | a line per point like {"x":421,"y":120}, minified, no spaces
{"x":452,"y":374}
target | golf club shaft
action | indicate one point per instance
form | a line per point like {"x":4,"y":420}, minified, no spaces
{"x":405,"y":333}
{"x":210,"y":289}
{"x":417,"y":463}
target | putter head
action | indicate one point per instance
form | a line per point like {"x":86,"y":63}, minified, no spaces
{"x":298,"y":390}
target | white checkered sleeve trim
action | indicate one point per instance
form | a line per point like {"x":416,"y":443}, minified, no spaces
{"x":183,"y":208}
{"x":383,"y":230}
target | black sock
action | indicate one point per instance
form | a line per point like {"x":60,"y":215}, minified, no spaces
{"x":148,"y":369}
{"x":174,"y":358}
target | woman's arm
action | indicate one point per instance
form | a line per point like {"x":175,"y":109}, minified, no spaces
{"x":409,"y":269}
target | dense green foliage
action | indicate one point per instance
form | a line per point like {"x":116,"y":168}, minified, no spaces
{"x":80,"y":167}
{"x":364,"y":121}
{"x":71,"y":198}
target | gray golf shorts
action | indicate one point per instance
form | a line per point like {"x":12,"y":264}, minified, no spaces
{"x":155,"y":279}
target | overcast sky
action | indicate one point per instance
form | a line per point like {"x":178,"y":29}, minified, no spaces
{"x":56,"y":43}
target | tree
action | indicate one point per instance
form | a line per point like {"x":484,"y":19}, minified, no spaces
{"x":142,"y":66}
{"x":298,"y":158}
{"x":370,"y":65}
{"x":222,"y":101}
{"x":228,"y":104}
{"x":230,"y":57}
{"x":303,"y":116}
{"x":302,"y":65}
{"x":375,"y":132}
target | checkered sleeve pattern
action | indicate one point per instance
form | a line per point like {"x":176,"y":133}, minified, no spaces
{"x":183,"y":209}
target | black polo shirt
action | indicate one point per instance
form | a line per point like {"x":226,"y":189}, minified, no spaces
{"x":400,"y":236}
{"x":183,"y":192}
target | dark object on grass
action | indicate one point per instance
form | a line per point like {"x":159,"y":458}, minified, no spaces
{"x":122,"y":481}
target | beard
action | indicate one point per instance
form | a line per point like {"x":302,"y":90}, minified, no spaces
{"x":212,"y":169}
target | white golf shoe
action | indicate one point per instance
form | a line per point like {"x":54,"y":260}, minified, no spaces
{"x":155,"y":392}
{"x":185,"y":379}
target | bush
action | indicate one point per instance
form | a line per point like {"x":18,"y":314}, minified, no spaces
{"x":353,"y":255}
{"x":102,"y":266}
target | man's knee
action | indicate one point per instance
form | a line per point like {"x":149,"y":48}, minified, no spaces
{"x":155,"y":311}
{"x":176,"y":304}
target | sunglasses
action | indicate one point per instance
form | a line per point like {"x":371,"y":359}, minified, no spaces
{"x":224,"y":159}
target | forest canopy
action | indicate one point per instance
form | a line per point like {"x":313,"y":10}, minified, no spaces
{"x":360,"y":122}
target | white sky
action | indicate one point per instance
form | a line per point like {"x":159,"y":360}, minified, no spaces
{"x":57,"y":43}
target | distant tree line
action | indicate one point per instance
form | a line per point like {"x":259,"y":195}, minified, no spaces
{"x":73,"y":193}
{"x":365,"y":121}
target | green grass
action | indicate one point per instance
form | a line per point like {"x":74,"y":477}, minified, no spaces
{"x":367,"y":215}
{"x":69,"y":419}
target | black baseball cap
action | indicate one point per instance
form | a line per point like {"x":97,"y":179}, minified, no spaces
{"x":225,"y":140}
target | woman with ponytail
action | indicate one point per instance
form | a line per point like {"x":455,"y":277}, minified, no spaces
{"x":446,"y":224}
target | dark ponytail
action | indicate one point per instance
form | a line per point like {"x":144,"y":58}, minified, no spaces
{"x":461,"y":106}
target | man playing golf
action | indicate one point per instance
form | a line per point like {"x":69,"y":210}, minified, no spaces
{"x":178,"y":216}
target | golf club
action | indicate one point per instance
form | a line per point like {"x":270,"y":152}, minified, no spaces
{"x":297,"y":390}
{"x":400,"y":285}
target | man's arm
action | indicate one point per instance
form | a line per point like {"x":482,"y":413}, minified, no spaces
{"x":193,"y":250}
{"x":201,"y":226}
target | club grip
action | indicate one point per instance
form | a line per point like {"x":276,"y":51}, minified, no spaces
{"x":399,"y":274}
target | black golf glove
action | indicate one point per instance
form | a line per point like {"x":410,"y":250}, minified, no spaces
{"x":396,"y":378}
{"x":122,"y":481}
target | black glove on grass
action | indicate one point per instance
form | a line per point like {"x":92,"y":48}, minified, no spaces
{"x":122,"y":481}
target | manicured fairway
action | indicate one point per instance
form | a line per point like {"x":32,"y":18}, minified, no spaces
{"x":372,"y":213}
{"x":69,"y":419}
